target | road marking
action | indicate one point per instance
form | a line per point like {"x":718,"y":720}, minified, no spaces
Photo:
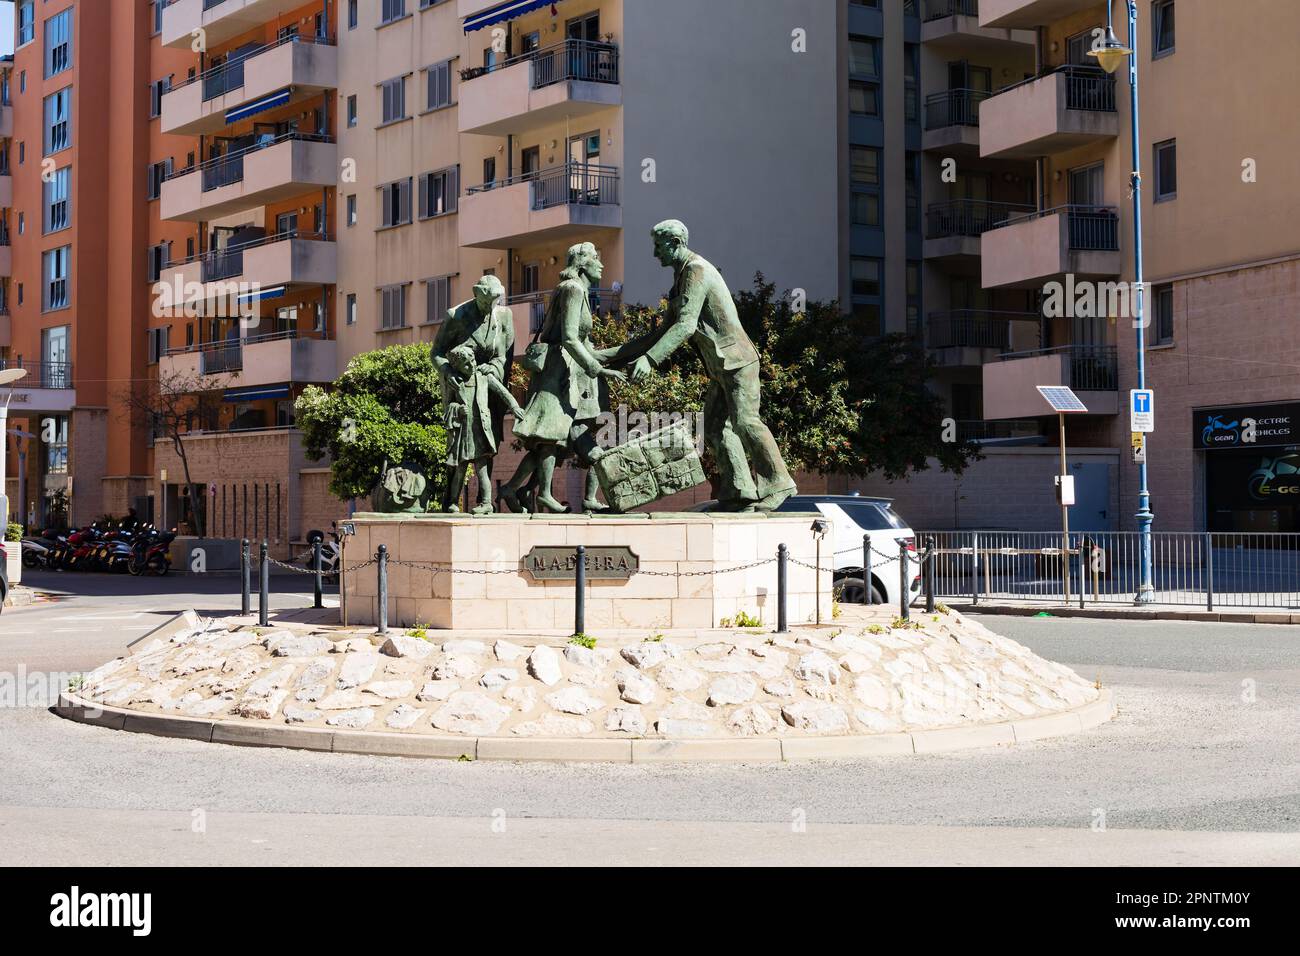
{"x":100,"y":617}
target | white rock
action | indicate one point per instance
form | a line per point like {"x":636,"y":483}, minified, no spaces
{"x":678,"y":677}
{"x":151,"y":666}
{"x":871,"y":691}
{"x":583,"y":656}
{"x":389,"y":689}
{"x":554,"y":725}
{"x":360,"y":717}
{"x":847,"y":642}
{"x":636,"y":689}
{"x":471,"y":648}
{"x":438,"y":690}
{"x":310,"y":694}
{"x":404,"y":716}
{"x":750,"y":721}
{"x":876,"y":722}
{"x":817,"y":666}
{"x":672,"y":727}
{"x":507,"y":652}
{"x":780,"y":688}
{"x":470,"y":712}
{"x":356,"y":670}
{"x":586,"y":677}
{"x":285,"y":644}
{"x":342,"y":700}
{"x":195,"y":659}
{"x":816,"y":717}
{"x":263,"y":697}
{"x":353,"y":645}
{"x":300,"y":715}
{"x":524,"y":698}
{"x":317,"y":672}
{"x":713,"y":651}
{"x":544,"y":664}
{"x":574,"y":700}
{"x":225,"y":643}
{"x":498,"y":677}
{"x":735,"y":689}
{"x":855,"y":663}
{"x":458,"y":667}
{"x":628,"y":720}
{"x":683,"y":709}
{"x":649,"y":654}
{"x":210,"y":707}
{"x":402,"y":645}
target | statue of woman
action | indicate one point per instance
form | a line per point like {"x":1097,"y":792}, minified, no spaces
{"x":568,"y":389}
{"x":471,"y":354}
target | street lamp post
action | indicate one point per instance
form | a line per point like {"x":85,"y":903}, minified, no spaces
{"x":1110,"y":55}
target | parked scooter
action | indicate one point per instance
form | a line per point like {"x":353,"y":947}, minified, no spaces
{"x":330,"y":554}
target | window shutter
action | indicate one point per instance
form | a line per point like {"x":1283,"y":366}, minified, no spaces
{"x":425,"y":208}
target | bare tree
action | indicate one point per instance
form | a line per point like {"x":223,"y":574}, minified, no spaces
{"x":170,"y":407}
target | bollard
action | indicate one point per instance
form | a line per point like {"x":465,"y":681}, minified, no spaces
{"x":782,"y":555}
{"x":903,"y":610}
{"x":315,"y":566}
{"x":264,"y":595}
{"x":246,"y":574}
{"x":1085,"y":562}
{"x":928,"y":574}
{"x":974,"y":568}
{"x":866,"y":569}
{"x":381,"y":564}
{"x":1209,"y":571}
{"x":580,"y":592}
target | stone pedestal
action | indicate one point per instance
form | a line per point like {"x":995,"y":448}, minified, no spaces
{"x":685,"y":578}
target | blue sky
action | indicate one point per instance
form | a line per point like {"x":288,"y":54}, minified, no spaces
{"x":6,"y":27}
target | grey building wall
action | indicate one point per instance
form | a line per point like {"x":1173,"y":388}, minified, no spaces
{"x":743,"y":134}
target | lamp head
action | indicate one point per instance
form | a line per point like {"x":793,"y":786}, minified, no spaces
{"x":820,"y":527}
{"x":1110,"y":55}
{"x":10,"y":375}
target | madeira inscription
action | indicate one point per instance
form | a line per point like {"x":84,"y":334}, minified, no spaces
{"x":551,"y":563}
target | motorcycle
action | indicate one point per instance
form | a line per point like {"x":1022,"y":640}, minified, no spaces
{"x":330,"y":554}
{"x":150,"y":552}
{"x":36,"y":553}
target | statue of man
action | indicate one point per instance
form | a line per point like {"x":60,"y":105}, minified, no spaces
{"x":701,"y":311}
{"x":471,"y":355}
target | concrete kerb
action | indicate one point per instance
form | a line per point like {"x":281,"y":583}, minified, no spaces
{"x":1130,"y":614}
{"x":589,"y":749}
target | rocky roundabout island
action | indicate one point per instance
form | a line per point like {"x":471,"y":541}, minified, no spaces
{"x":872,"y":681}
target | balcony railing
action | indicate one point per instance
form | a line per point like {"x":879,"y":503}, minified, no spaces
{"x":598,"y":298}
{"x":220,"y":80}
{"x":938,"y":9}
{"x":209,"y":4}
{"x":585,"y":184}
{"x":568,"y":60}
{"x":954,"y":108}
{"x":228,"y":169}
{"x":1090,"y":228}
{"x":970,"y":217}
{"x":973,"y":328}
{"x":1086,"y":87}
{"x":42,"y":374}
{"x":1092,"y":368}
{"x":220,"y":358}
{"x":1002,"y":429}
{"x":218,"y":264}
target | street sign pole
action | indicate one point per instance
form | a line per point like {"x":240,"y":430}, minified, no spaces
{"x":1065,"y":516}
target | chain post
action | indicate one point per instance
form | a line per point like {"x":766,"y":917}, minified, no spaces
{"x":381,"y":564}
{"x":903,"y":610}
{"x":782,"y":622}
{"x":866,"y":569}
{"x":315,"y":566}
{"x":264,"y":595}
{"x":580,"y":591}
{"x":246,"y":576}
{"x":1085,"y":562}
{"x":928,"y":573}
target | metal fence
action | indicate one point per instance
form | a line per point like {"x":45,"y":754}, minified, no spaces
{"x":1236,"y":569}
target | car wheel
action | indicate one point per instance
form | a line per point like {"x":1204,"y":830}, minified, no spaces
{"x":850,"y":591}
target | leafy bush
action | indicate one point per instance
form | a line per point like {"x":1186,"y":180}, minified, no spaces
{"x":584,"y":640}
{"x":14,"y":532}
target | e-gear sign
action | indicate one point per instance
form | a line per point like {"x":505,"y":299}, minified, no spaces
{"x":1246,"y":426}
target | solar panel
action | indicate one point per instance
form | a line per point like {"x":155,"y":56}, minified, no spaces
{"x":1061,"y":398}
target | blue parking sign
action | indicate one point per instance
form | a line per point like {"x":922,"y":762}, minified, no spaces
{"x":1142,"y":410}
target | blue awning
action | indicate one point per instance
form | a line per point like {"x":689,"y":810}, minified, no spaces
{"x":271,"y":292}
{"x":503,"y":11}
{"x":258,"y":106}
{"x":256,"y":393}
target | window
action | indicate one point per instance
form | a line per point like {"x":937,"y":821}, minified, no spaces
{"x":55,"y":271}
{"x":865,"y":275}
{"x":159,"y":258}
{"x":864,"y":178}
{"x":56,"y":450}
{"x":864,"y":209}
{"x":352,"y":210}
{"x":156,"y":8}
{"x":157,"y":90}
{"x":438,"y":192}
{"x":394,"y":94}
{"x":864,"y":98}
{"x":1164,"y":317}
{"x":350,"y":309}
{"x":913,"y":298}
{"x":1166,"y":170}
{"x":864,"y":56}
{"x":58,"y":43}
{"x":158,"y":343}
{"x":911,"y":98}
{"x":1162,"y":27}
{"x":58,"y":125}
{"x":393,"y":307}
{"x":395,"y":204}
{"x":22,"y":223}
{"x":158,"y":174}
{"x":26,"y":21}
{"x":913,"y":162}
{"x":352,"y":14}
{"x":438,"y":298}
{"x":352,"y":111}
{"x":489,"y":171}
{"x":439,"y":85}
{"x":56,"y":191}
{"x":392,"y":10}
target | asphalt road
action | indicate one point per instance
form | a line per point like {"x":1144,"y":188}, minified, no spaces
{"x":1202,"y":765}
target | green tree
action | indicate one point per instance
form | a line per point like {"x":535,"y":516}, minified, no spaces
{"x":385,"y":407}
{"x":838,"y":398}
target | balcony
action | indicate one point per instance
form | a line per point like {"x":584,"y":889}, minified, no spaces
{"x":567,"y":81}
{"x":1011,"y":385}
{"x":1027,"y":14}
{"x":953,"y":26}
{"x":952,"y":121}
{"x":1068,"y":108}
{"x":6,"y":121}
{"x":562,"y":203}
{"x":6,"y":190}
{"x":250,"y":81}
{"x":268,"y":171}
{"x":274,"y":359}
{"x":48,"y":387}
{"x":953,"y":229}
{"x":971,"y":337}
{"x":249,"y":272}
{"x":1045,"y":246}
{"x":220,"y":20}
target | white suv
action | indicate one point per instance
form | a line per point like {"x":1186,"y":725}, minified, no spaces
{"x":851,"y":517}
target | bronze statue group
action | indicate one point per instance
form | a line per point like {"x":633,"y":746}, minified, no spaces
{"x":569,"y":384}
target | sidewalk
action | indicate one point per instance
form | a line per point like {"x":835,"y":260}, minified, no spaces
{"x":1118,"y":612}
